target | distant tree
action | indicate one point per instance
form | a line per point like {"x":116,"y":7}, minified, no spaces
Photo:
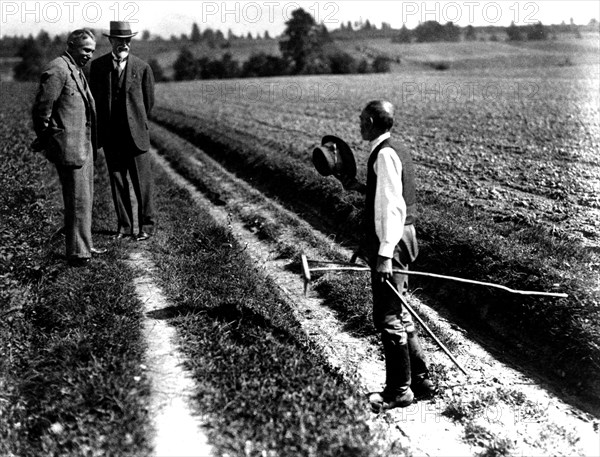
{"x":323,"y":35}
{"x":43,"y":39}
{"x":363,"y":67}
{"x":183,"y":37}
{"x":195,"y":36}
{"x":209,"y":37}
{"x":514,"y":32}
{"x":493,"y":37}
{"x":470,"y":34}
{"x":145,"y":35}
{"x":451,"y":32}
{"x":249,"y":36}
{"x":367,"y":25}
{"x":349,"y":27}
{"x":231,"y":67}
{"x":342,"y":63}
{"x":230,"y":35}
{"x":267,"y":36}
{"x":381,"y":64}
{"x":302,"y":42}
{"x":537,"y":32}
{"x":186,"y":66}
{"x":403,"y":36}
{"x":32,"y":61}
{"x":430,"y":31}
{"x":319,"y":65}
{"x":157,"y":70}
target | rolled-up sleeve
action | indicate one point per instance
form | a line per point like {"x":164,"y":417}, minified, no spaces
{"x":390,"y":207}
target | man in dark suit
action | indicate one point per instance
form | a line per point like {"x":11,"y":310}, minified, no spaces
{"x":123,"y":87}
{"x":64,"y":120}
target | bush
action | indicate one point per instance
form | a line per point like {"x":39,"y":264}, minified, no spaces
{"x":265,"y":65}
{"x":342,"y":63}
{"x":382,"y":64}
{"x":186,"y":66}
{"x":537,"y":32}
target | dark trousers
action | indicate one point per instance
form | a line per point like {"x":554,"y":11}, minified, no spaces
{"x":404,"y":357}
{"x":136,"y":167}
{"x":78,"y":196}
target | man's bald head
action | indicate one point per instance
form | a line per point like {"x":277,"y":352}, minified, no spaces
{"x":376,"y":119}
{"x":382,"y":113}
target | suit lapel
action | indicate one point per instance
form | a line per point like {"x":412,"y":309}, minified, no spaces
{"x":108,"y":70}
{"x":130,"y":73}
{"x":77,"y":75}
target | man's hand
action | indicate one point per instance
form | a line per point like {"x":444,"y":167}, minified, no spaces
{"x":384,"y":268}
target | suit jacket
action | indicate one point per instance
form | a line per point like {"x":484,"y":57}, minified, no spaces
{"x":64,"y":114}
{"x":139,"y":99}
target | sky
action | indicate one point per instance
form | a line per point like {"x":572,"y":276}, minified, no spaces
{"x":168,"y":18}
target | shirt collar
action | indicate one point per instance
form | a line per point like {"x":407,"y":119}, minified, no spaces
{"x":377,"y":141}
{"x":70,"y":57}
{"x":116,"y":59}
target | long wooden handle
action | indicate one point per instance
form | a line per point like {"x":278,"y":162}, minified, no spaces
{"x":450,"y":278}
{"x":427,"y":329}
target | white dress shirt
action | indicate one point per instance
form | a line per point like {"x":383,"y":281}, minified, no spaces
{"x":119,"y":63}
{"x":390,"y":207}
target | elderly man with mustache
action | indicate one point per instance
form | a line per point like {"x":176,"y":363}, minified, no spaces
{"x":123,"y":87}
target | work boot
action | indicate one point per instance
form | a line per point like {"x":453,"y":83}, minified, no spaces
{"x":421,"y":385}
{"x":397,"y":392}
{"x":423,"y":388}
{"x":381,"y":402}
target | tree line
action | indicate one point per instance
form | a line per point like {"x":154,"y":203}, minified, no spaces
{"x":433,"y":31}
{"x":305,"y":47}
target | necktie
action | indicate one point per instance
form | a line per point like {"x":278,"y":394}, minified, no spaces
{"x":118,"y":65}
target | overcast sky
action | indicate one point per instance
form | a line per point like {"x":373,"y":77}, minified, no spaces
{"x":168,"y":18}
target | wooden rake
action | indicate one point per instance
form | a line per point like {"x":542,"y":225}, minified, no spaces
{"x":335,"y":266}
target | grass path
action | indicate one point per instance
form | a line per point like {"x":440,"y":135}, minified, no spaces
{"x":177,"y":431}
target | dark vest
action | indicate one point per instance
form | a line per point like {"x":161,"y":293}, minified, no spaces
{"x":118,"y":107}
{"x":408,"y":188}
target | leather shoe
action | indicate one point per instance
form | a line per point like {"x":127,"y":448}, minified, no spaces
{"x":381,"y":402}
{"x":423,"y":388}
{"x":79,"y":261}
{"x":97,"y":251}
{"x":142,"y":236}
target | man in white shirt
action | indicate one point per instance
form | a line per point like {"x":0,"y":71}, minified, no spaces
{"x":390,"y":242}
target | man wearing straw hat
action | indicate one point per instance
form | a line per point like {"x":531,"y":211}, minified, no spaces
{"x":123,"y":87}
